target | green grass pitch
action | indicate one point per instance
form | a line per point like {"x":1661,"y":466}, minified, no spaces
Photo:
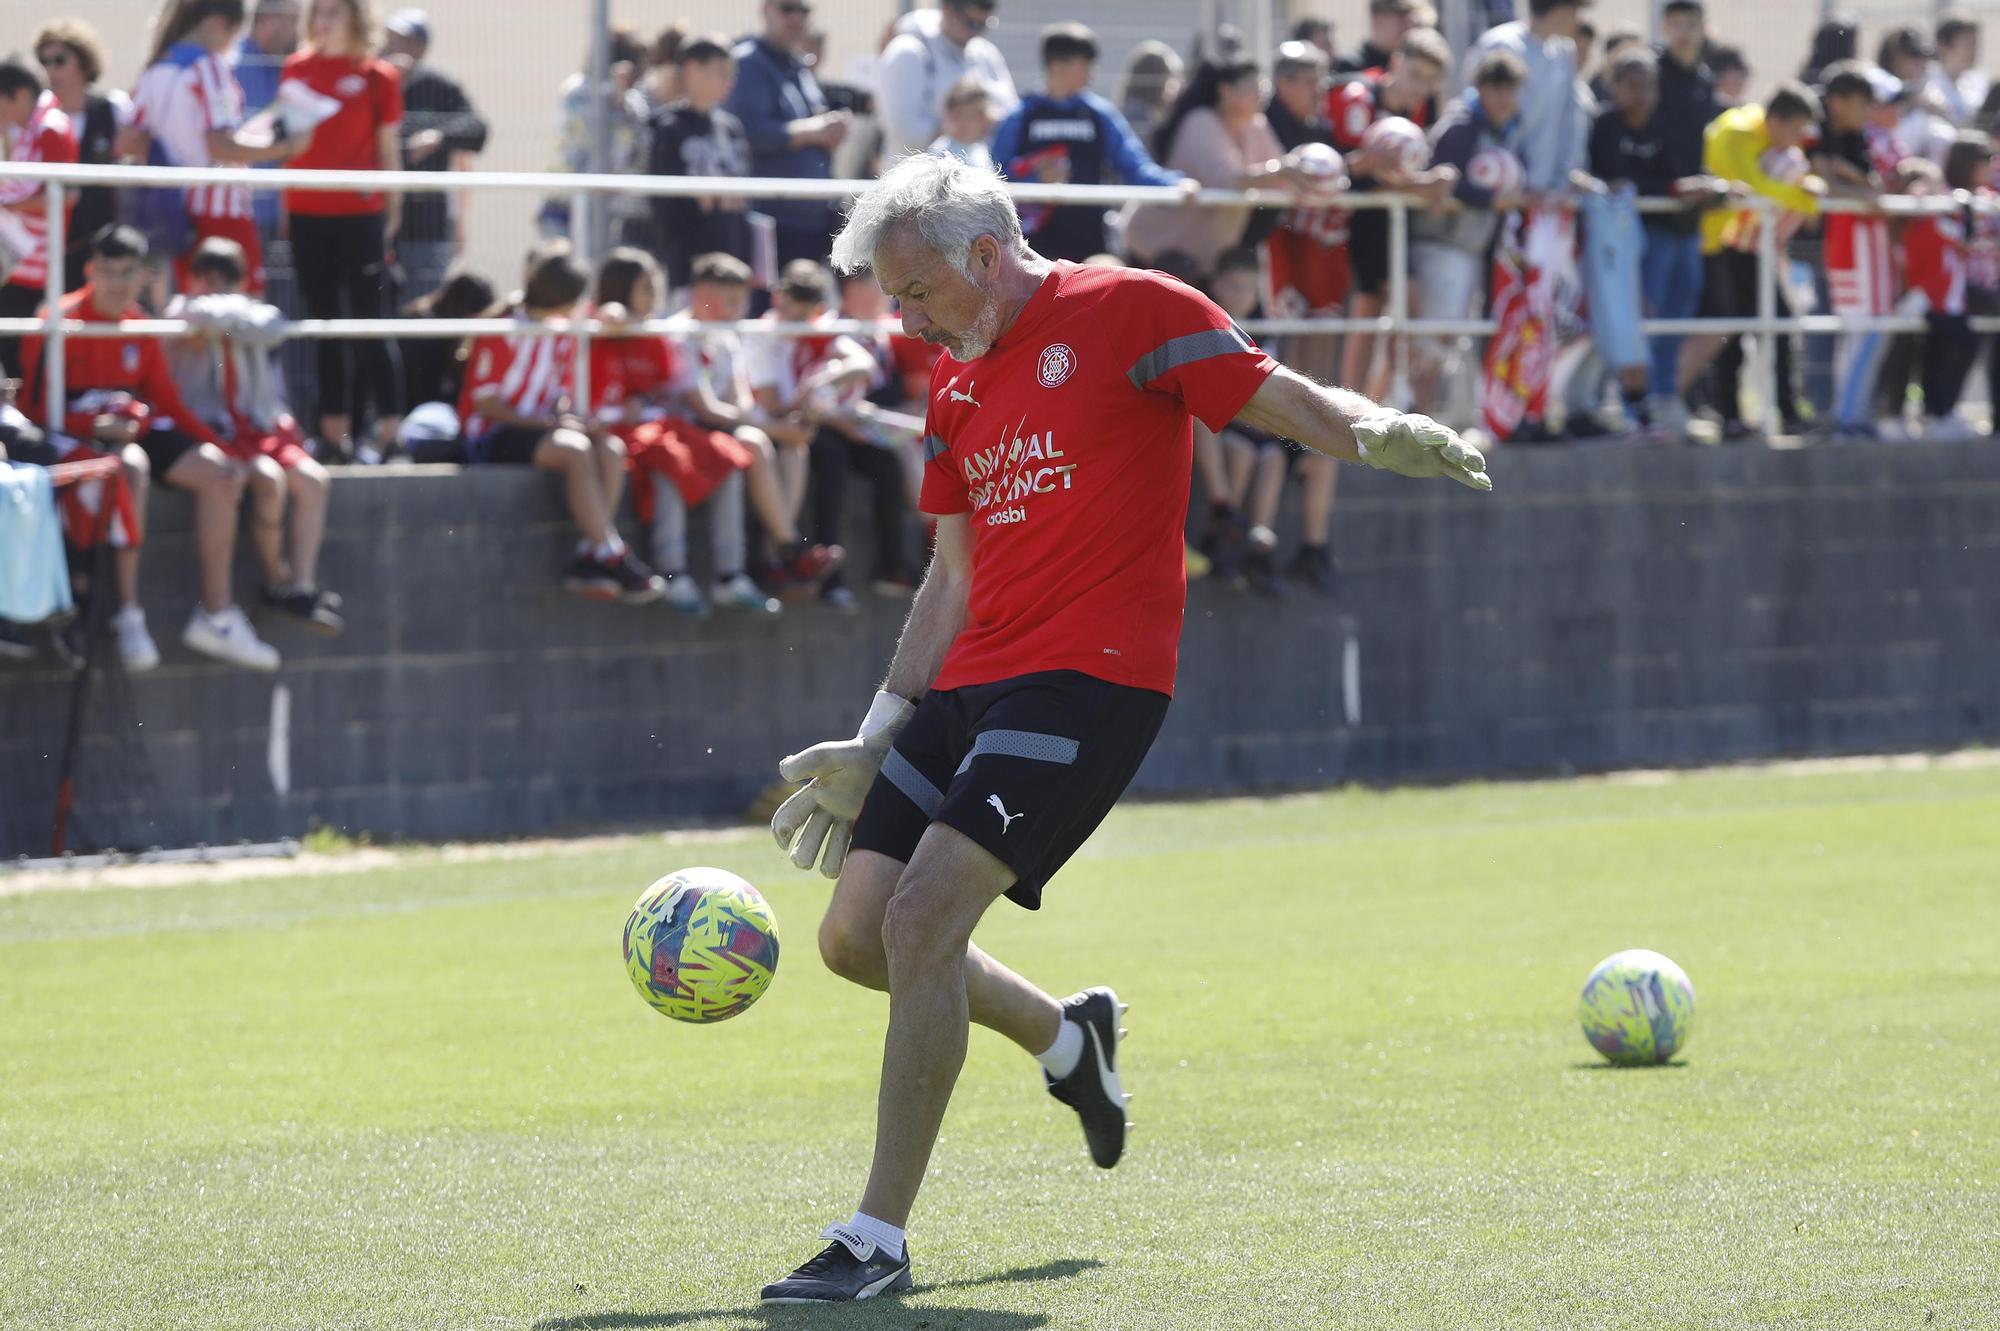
{"x":424,"y":1095}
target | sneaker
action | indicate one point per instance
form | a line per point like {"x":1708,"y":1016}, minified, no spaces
{"x":637,"y":583}
{"x":1855,"y":432}
{"x":847,"y":1270}
{"x":1948,"y":430}
{"x":684,"y":595}
{"x":228,"y":637}
{"x":1534,"y":432}
{"x":590,"y":579}
{"x":1589,"y":425}
{"x":1092,"y":1088}
{"x":1223,"y":542}
{"x":739,"y":593}
{"x":1260,"y":566}
{"x":14,"y":644}
{"x":317,"y":610}
{"x":136,"y":650}
{"x":1737,"y":432}
{"x":839,"y":598}
{"x":802,"y":566}
{"x":1313,"y":568}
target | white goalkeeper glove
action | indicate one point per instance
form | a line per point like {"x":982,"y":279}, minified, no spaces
{"x":1419,"y":446}
{"x":817,"y":822}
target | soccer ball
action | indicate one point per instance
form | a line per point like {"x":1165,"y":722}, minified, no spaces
{"x":701,"y":945}
{"x":1323,"y":162}
{"x":1637,"y":1007}
{"x":1496,"y":169}
{"x":1401,"y":140}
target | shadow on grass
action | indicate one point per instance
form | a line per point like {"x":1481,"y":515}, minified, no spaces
{"x":888,"y":1313}
{"x":1601,"y":1066}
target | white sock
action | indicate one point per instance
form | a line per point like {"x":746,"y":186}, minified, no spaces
{"x":1060,"y":1059}
{"x":608,"y":550}
{"x":878,"y":1232}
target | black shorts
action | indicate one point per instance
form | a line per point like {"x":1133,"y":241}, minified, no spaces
{"x":1729,"y":286}
{"x":164,"y":447}
{"x":1368,"y":251}
{"x":1026,"y":767}
{"x":507,"y":445}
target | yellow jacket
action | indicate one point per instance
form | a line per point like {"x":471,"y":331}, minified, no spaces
{"x":1733,"y":148}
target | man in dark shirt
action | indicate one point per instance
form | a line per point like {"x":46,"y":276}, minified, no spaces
{"x":1634,"y":140}
{"x":696,"y":137}
{"x":1687,"y":88}
{"x":792,"y":132}
{"x":440,"y":132}
{"x":1389,"y":21}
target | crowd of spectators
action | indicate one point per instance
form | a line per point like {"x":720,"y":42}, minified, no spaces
{"x":1564,"y":190}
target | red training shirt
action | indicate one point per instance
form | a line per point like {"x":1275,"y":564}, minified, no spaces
{"x":1070,"y":444}
{"x":370,"y":93}
{"x":627,"y":367}
{"x":96,"y":368}
{"x":532,"y":373}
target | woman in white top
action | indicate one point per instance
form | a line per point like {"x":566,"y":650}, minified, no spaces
{"x":1216,"y":133}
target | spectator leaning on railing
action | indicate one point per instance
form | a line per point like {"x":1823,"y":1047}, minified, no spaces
{"x":118,"y":392}
{"x":441,"y":132}
{"x":1860,"y":269}
{"x":33,"y":129}
{"x":72,"y":62}
{"x":625,"y":113}
{"x":1935,"y":265}
{"x":1068,"y":134}
{"x":1449,"y":249}
{"x":229,"y":380}
{"x":1744,"y":146}
{"x":695,"y":135}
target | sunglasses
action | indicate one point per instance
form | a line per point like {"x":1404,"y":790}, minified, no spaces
{"x":55,"y":59}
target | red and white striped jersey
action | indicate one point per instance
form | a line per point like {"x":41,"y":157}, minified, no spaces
{"x":189,"y":93}
{"x":1934,"y":261}
{"x":48,"y":136}
{"x":532,"y":374}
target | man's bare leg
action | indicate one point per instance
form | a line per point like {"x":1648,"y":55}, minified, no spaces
{"x":926,"y":931}
{"x":850,"y":941}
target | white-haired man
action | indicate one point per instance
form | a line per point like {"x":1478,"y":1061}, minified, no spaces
{"x":1038,"y":659}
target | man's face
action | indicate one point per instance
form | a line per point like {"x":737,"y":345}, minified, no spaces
{"x":862,"y":298}
{"x":1682,"y":30}
{"x":719,"y":302}
{"x":276,"y":31}
{"x":1637,"y":92}
{"x":1501,"y":100}
{"x":940,"y":304}
{"x":1419,"y":80}
{"x":1298,"y":92}
{"x":1848,"y":111}
{"x":15,"y":108}
{"x":964,"y":21}
{"x":1786,"y":133}
{"x":1388,"y":30}
{"x":1960,"y":55}
{"x":1069,"y":74}
{"x":785,"y":22}
{"x":117,"y":281}
{"x":796,"y":309}
{"x":708,"y":81}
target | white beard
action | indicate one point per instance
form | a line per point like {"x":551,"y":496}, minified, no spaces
{"x":977,"y":340}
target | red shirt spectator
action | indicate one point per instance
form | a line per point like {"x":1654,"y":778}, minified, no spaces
{"x":100,"y":371}
{"x":1934,"y":261}
{"x":46,"y":136}
{"x":368,"y":96}
{"x":532,"y":374}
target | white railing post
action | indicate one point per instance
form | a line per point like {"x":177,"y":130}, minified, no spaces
{"x":53,"y":339}
{"x":1399,"y":302}
{"x":580,"y":374}
{"x":1767,"y":310}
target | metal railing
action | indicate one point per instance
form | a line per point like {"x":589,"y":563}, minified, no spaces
{"x":1395,"y":320}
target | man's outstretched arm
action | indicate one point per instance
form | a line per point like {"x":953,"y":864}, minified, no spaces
{"x":816,"y":824}
{"x":1345,"y":425}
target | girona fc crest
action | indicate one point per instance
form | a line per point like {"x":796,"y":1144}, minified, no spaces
{"x":1057,"y":364}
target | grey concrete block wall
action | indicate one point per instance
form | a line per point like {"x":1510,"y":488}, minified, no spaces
{"x":1605,"y":608}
